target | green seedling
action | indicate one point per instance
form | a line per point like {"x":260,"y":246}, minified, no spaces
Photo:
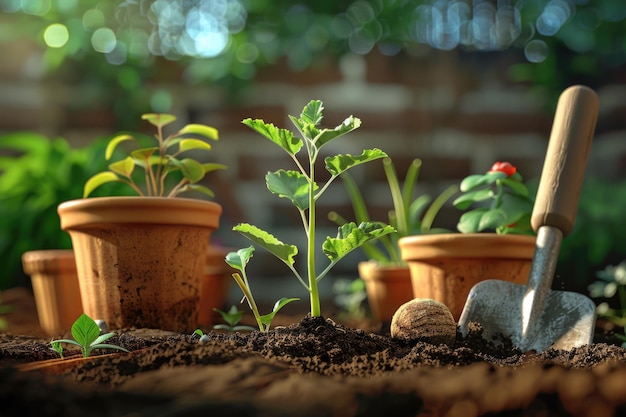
{"x":410,"y":215}
{"x":56,"y":346}
{"x":159,"y":161}
{"x":232,"y":317}
{"x":239,"y":260}
{"x":611,"y":283}
{"x":302,"y":189}
{"x":86,"y":334}
{"x":3,"y":310}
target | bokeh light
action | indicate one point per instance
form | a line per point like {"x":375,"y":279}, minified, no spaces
{"x":56,"y":35}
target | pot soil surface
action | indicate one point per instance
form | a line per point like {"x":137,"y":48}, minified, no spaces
{"x":314,"y":367}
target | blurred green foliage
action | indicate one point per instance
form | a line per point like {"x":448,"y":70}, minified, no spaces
{"x":36,"y":175}
{"x":123,"y":52}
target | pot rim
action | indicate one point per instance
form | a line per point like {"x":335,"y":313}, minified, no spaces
{"x":467,"y":245}
{"x":139,"y":210}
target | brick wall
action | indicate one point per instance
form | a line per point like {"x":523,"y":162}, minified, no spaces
{"x":456,"y":116}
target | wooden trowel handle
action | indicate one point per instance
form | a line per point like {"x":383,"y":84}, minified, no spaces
{"x":566,"y":159}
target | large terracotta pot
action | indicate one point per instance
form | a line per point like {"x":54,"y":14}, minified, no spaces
{"x":446,"y":266}
{"x":55,"y":287}
{"x":140,"y":260}
{"x":387,"y":287}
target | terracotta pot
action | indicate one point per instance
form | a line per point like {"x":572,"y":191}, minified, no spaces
{"x":140,"y":260}
{"x":55,"y":287}
{"x":445,"y":267}
{"x":387,"y":287}
{"x":216,"y":283}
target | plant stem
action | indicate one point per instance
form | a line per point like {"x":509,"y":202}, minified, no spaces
{"x":313,"y":291}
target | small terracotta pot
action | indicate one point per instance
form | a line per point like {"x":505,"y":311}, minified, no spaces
{"x":216,"y":283}
{"x":387,"y":287}
{"x":55,"y":287}
{"x":140,"y":260}
{"x":446,"y":266}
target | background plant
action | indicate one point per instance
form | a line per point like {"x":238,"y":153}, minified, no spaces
{"x":232,"y":317}
{"x":409,"y":215}
{"x":504,"y":202}
{"x":86,"y":334}
{"x":158,"y":162}
{"x":38,"y":173}
{"x":611,"y":283}
{"x":302,"y":189}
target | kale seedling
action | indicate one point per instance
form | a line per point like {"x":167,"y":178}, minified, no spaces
{"x":239,"y":260}
{"x":158,"y":162}
{"x":232,"y":317}
{"x":302,"y":189}
{"x":86,"y":334}
{"x":612,"y":282}
{"x":56,"y":346}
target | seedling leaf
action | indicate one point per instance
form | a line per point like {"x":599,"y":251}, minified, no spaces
{"x":282,"y":137}
{"x":284,"y":252}
{"x":350,"y":236}
{"x":340,"y":163}
{"x":291,"y":185}
{"x":200,"y":130}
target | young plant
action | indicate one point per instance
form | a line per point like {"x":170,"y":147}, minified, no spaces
{"x":57,"y":346}
{"x":409,"y":215}
{"x":232,"y":317}
{"x":301,"y":187}
{"x":612,"y":282}
{"x":350,"y":295}
{"x":508,"y":203}
{"x":3,"y":310}
{"x":86,"y":334}
{"x":239,"y":260}
{"x":159,"y":161}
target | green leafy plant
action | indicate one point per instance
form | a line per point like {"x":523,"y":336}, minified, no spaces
{"x":3,"y":310}
{"x":508,"y":203}
{"x":158,"y":162}
{"x":57,"y":346}
{"x":239,"y":260}
{"x":302,"y":189}
{"x":37,"y":173}
{"x":612,"y":282}
{"x":86,"y":334}
{"x":409,"y":215}
{"x":232,"y":317}
{"x":350,"y":296}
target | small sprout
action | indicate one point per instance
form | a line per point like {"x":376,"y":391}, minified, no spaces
{"x":86,"y":334}
{"x":56,"y":346}
{"x":203,"y":337}
{"x":239,"y":260}
{"x":232,"y":317}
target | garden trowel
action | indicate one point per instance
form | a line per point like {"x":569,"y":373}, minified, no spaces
{"x":533,"y":316}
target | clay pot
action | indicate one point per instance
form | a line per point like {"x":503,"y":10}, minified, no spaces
{"x":387,"y":287}
{"x":444,"y":267}
{"x":55,"y":287}
{"x":140,"y":260}
{"x":216,"y":283}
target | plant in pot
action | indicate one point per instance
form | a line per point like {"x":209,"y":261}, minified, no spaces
{"x":496,"y":240}
{"x":387,"y":277}
{"x":301,"y":187}
{"x":140,"y":259}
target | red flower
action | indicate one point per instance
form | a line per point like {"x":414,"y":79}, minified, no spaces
{"x":505,"y":167}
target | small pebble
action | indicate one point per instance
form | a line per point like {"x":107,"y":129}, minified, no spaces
{"x":424,"y":320}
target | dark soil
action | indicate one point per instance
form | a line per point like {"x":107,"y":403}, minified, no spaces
{"x":314,"y":367}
